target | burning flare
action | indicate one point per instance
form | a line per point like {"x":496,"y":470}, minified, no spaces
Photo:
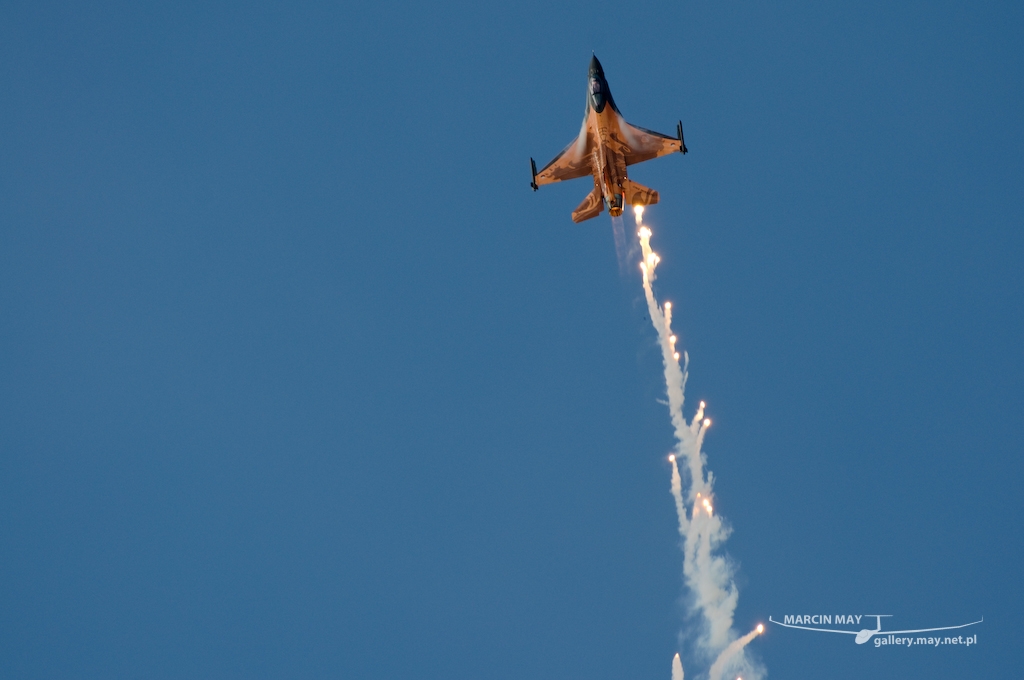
{"x":735,"y":647}
{"x":677,"y":668}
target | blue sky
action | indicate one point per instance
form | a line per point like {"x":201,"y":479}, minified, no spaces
{"x":300,"y":379}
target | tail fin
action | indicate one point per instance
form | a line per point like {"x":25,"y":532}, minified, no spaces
{"x":591,"y":206}
{"x":638,"y":194}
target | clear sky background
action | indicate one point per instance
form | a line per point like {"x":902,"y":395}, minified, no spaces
{"x":299,"y":379}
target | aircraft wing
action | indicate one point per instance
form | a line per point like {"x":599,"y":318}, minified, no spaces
{"x":928,"y":630}
{"x":820,"y":630}
{"x":573,"y":162}
{"x":643,"y":144}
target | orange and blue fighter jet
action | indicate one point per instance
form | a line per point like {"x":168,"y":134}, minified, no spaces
{"x":606,"y":145}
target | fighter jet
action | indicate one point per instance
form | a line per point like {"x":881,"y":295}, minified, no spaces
{"x":606,"y":145}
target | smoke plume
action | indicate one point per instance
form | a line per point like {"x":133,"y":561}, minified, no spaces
{"x":707,"y":572}
{"x":677,"y":668}
{"x":734,"y":648}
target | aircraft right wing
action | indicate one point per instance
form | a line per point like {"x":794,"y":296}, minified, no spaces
{"x":573,"y":162}
{"x":643,"y":144}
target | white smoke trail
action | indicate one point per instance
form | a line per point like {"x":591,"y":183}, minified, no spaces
{"x":621,"y":254}
{"x":677,"y":668}
{"x":677,"y":493}
{"x":626,"y":251}
{"x":708,"y":574}
{"x":734,"y":648}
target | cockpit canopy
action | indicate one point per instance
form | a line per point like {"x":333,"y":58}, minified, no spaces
{"x":598,"y":95}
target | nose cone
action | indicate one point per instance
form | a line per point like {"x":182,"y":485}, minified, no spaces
{"x":595,"y":66}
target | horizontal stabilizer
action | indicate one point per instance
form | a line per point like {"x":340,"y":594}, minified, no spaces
{"x":591,"y":206}
{"x":638,"y":194}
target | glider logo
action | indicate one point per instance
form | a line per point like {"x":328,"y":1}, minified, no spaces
{"x":865,"y":634}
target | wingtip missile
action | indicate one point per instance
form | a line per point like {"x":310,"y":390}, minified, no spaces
{"x":533,"y":168}
{"x":682,"y":142}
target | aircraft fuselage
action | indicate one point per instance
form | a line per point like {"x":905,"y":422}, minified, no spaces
{"x":609,"y":166}
{"x":602,"y":122}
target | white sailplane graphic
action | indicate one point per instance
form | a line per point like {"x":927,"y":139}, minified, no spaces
{"x":866,"y":634}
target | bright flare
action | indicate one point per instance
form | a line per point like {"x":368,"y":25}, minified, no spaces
{"x":760,"y":628}
{"x":734,"y":648}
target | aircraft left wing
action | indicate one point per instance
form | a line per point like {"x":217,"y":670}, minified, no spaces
{"x":643,"y":144}
{"x":573,"y":162}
